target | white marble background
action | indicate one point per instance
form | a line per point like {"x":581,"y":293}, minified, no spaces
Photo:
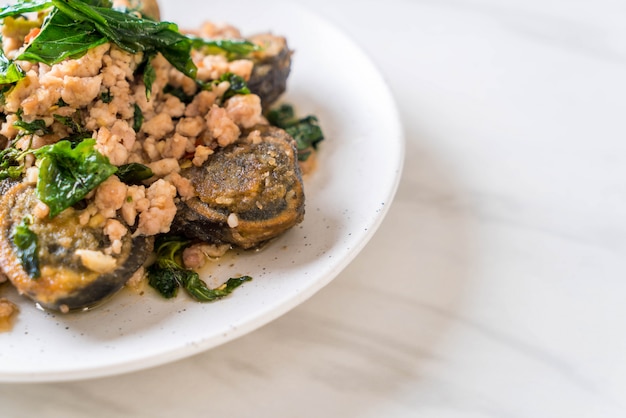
{"x":496,"y":285}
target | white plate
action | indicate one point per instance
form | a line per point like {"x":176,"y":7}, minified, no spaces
{"x":347,"y":197}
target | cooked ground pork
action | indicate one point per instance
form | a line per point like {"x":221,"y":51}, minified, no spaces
{"x":129,"y":141}
{"x":8,"y":311}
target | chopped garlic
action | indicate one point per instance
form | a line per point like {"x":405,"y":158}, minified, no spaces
{"x":233,"y":220}
{"x":97,"y":261}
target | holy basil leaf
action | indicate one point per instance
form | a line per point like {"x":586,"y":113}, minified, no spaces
{"x":24,"y":7}
{"x":307,"y":134}
{"x":232,"y":48}
{"x":164,"y":281}
{"x":237,"y":85}
{"x":67,"y":175}
{"x":67,"y":121}
{"x":77,"y":134}
{"x":134,"y":34}
{"x":75,"y":26}
{"x":62,"y":37}
{"x":106,"y":97}
{"x":167,"y":274}
{"x":281,"y":116}
{"x":100,"y":3}
{"x":168,"y":250}
{"x":149,"y":76}
{"x":10,"y":72}
{"x":164,"y":274}
{"x":198,"y":290}
{"x":306,"y":131}
{"x":178,"y":92}
{"x":137,"y":118}
{"x":12,"y":159}
{"x":4,"y":89}
{"x":27,"y":248}
{"x":134,"y":173}
{"x":11,"y":163}
{"x":167,"y":281}
{"x":36,"y":127}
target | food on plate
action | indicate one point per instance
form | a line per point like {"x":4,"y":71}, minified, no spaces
{"x":121,"y":135}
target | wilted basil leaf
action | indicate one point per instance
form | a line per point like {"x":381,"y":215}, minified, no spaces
{"x":24,"y":7}
{"x":37,"y":126}
{"x":232,"y":48}
{"x":306,"y":131}
{"x":62,"y":37}
{"x":178,"y":92}
{"x":167,"y":274}
{"x":163,"y":280}
{"x":137,"y":118}
{"x":67,"y":175}
{"x":134,"y":173}
{"x":27,"y":245}
{"x":106,"y":97}
{"x":11,"y":163}
{"x":77,"y":133}
{"x":149,"y":75}
{"x":10,"y":72}
{"x":237,"y":85}
{"x":198,"y":290}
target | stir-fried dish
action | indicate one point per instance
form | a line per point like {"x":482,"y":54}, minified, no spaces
{"x":133,"y":151}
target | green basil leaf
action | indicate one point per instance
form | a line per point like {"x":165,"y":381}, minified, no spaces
{"x":137,"y":118}
{"x":24,"y":7}
{"x":75,"y":26}
{"x":12,"y":163}
{"x":198,"y":290}
{"x":149,"y":75}
{"x":77,"y":134}
{"x":108,"y":4}
{"x":4,"y":89}
{"x":62,"y":37}
{"x":167,"y":274}
{"x":168,"y":250}
{"x":164,"y":274}
{"x":134,"y":34}
{"x":67,"y":121}
{"x":178,"y":92}
{"x":281,"y":116}
{"x":307,"y":134}
{"x":134,"y":173}
{"x":37,"y":126}
{"x":67,"y":175}
{"x":237,"y":85}
{"x":106,"y":97}
{"x":164,"y":281}
{"x":10,"y":72}
{"x":305,"y":131}
{"x":27,"y":245}
{"x":232,"y":48}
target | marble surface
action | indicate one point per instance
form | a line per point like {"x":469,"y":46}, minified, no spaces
{"x":495,"y":286}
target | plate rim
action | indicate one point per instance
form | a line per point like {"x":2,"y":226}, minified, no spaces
{"x":275,"y":311}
